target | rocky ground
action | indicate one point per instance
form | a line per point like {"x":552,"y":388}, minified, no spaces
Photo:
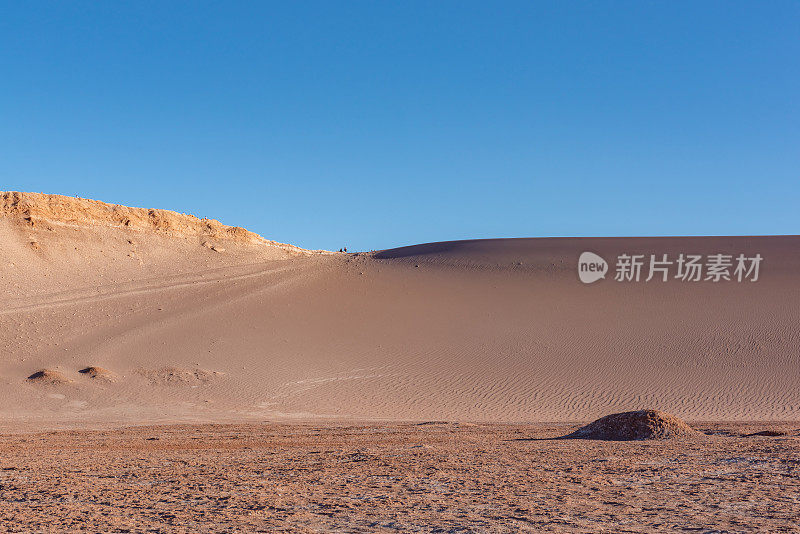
{"x":433,"y":477}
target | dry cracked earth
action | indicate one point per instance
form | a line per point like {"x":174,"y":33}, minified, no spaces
{"x":434,"y":477}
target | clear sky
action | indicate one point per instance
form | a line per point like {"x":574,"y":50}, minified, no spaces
{"x":378,"y":124}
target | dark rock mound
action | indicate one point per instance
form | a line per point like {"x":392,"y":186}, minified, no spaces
{"x":768,"y":433}
{"x":98,"y":373}
{"x":631,"y":426}
{"x":48,"y":377}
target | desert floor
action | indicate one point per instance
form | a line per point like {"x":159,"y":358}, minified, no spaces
{"x":430,"y":477}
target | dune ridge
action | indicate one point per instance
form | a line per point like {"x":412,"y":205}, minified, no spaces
{"x":59,"y":209}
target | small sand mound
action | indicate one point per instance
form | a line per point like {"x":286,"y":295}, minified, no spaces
{"x":48,"y":377}
{"x":638,"y":425}
{"x":98,"y":373}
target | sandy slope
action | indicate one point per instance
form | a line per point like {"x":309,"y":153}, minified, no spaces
{"x":490,"y":330}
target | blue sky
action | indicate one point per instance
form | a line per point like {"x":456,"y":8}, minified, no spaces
{"x":378,"y":124}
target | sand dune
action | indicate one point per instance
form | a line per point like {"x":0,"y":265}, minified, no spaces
{"x":485,"y":330}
